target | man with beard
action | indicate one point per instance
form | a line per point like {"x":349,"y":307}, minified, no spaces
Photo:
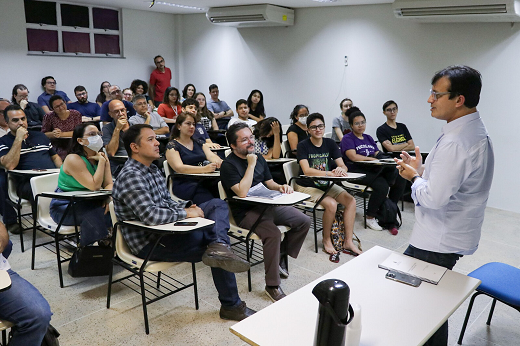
{"x":89,"y":110}
{"x":243,"y":169}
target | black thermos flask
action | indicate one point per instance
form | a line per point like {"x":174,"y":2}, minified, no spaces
{"x":333,"y":312}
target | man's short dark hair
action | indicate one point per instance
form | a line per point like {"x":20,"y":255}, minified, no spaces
{"x":9,"y":108}
{"x":54,"y":98}
{"x":231,"y":133}
{"x":79,"y":88}
{"x":157,"y":56}
{"x":464,"y":80}
{"x":44,"y":80}
{"x":241,"y":101}
{"x":189,"y":102}
{"x":138,"y":97}
{"x":388,"y":103}
{"x":352,"y":113}
{"x":133,"y":135}
{"x":313,"y":117}
{"x":213,"y":86}
{"x":15,"y":91}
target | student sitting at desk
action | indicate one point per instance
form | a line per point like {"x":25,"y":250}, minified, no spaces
{"x":243,"y":114}
{"x":358,"y":146}
{"x":340,"y":125}
{"x":188,"y":155}
{"x":268,"y":133}
{"x":243,"y":169}
{"x":207,"y":119}
{"x":392,"y":135}
{"x":191,"y":106}
{"x":320,"y":156}
{"x":297,"y":132}
{"x":85,"y":169}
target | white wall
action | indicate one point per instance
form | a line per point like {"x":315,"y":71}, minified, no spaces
{"x":388,"y":59}
{"x":145,"y":34}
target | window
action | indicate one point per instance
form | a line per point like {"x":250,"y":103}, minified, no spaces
{"x":58,"y":28}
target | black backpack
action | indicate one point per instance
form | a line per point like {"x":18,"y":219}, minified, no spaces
{"x":389,"y":215}
{"x":51,"y":337}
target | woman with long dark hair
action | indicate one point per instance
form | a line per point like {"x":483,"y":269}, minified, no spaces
{"x":140,"y":87}
{"x":188,"y":92}
{"x":206,"y":117}
{"x":170,"y":108}
{"x":255,"y":102}
{"x":104,"y":94}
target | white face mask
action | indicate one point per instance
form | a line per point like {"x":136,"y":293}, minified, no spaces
{"x":95,"y":143}
{"x":302,"y":120}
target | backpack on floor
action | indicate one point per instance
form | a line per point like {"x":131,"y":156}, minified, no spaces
{"x":389,"y":215}
{"x":51,"y":337}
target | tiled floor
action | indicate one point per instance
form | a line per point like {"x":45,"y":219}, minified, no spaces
{"x":81,"y":316}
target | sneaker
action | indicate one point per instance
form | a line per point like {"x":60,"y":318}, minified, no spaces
{"x":393,"y":230}
{"x":219,"y":255}
{"x":275,"y":293}
{"x":236,"y":313}
{"x":284,"y":272}
{"x":372,"y":223}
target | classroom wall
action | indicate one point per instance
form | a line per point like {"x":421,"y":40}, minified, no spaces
{"x":145,"y":35}
{"x":388,"y":59}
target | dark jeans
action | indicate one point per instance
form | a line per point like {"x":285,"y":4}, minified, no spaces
{"x":223,"y":123}
{"x":446,"y":260}
{"x":380,"y":183}
{"x":196,"y":191}
{"x":190,"y":246}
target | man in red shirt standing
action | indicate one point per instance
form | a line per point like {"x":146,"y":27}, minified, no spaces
{"x":159,"y":80}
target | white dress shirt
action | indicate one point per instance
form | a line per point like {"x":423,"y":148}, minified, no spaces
{"x":451,"y":196}
{"x":4,"y":265}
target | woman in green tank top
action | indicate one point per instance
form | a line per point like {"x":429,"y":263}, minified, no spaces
{"x":85,"y":168}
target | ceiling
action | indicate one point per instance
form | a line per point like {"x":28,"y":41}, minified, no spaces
{"x":200,"y":6}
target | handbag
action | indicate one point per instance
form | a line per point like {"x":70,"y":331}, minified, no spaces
{"x":337,"y":232}
{"x":90,"y":261}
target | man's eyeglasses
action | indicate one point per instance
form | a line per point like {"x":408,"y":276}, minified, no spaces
{"x":51,"y":83}
{"x":115,"y":92}
{"x":317,"y":127}
{"x":361,"y":123}
{"x":247,"y":139}
{"x":436,"y":95}
{"x":391,"y":110}
{"x":84,"y":93}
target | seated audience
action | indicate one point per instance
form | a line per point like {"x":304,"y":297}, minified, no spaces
{"x":243,"y":169}
{"x":297,"y":132}
{"x":268,"y":134}
{"x":85,"y":169}
{"x":392,"y":135}
{"x":22,"y":304}
{"x":319,"y":156}
{"x":170,"y":108}
{"x":113,"y":135}
{"x":243,"y":114}
{"x":37,"y":154}
{"x":115,"y":94}
{"x":340,"y":125}
{"x":140,"y":87}
{"x":191,"y":106}
{"x":140,"y":193}
{"x":128,"y":94}
{"x":358,"y":146}
{"x":220,"y":109}
{"x":188,"y":92}
{"x":185,"y":154}
{"x":206,"y":117}
{"x":59,"y":124}
{"x":33,"y":111}
{"x":144,"y":116}
{"x":104,"y":93}
{"x":4,"y":128}
{"x":49,"y":90}
{"x":89,"y":110}
{"x":255,"y":102}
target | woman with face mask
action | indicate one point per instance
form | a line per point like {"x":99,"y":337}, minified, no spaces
{"x":297,"y":132}
{"x":85,"y":169}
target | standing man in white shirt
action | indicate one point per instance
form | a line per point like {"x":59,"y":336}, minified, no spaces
{"x":451,"y":189}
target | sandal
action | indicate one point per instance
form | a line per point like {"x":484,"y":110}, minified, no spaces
{"x":334,"y":258}
{"x":349,"y":252}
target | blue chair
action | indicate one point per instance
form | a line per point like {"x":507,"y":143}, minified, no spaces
{"x":501,"y":282}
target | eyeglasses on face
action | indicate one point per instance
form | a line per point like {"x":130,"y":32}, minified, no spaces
{"x":360,"y":123}
{"x":84,"y":93}
{"x":436,"y":95}
{"x":50,"y":83}
{"x":93,"y":133}
{"x":317,"y":127}
{"x":391,"y":110}
{"x":115,"y":92}
{"x":247,"y":139}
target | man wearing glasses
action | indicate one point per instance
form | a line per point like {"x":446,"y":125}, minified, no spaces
{"x":115,"y":94}
{"x":243,"y":169}
{"x":49,"y":90}
{"x":89,"y":110}
{"x":160,"y":80}
{"x":113,"y":135}
{"x":451,"y":189}
{"x":33,"y":111}
{"x":392,"y":135}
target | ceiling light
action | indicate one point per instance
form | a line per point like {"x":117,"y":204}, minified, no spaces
{"x":325,"y":0}
{"x":180,"y":6}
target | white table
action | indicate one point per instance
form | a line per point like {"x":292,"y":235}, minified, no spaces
{"x":34,"y":172}
{"x":382,"y":162}
{"x":392,"y":313}
{"x":5,"y":280}
{"x":215,"y":174}
{"x":280,"y":160}
{"x":286,"y":199}
{"x":170,"y":227}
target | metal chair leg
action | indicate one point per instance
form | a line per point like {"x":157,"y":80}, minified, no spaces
{"x":466,"y":319}
{"x":491,"y":311}
{"x":195,"y":286}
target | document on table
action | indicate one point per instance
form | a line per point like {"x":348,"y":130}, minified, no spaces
{"x":412,"y":266}
{"x":259,"y":190}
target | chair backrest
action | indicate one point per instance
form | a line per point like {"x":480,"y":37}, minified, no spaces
{"x":291,"y":169}
{"x":11,"y":188}
{"x":285,"y":128}
{"x":121,"y":246}
{"x":379,"y":146}
{"x":227,"y":152}
{"x":223,"y":196}
{"x":40,"y":184}
{"x":167,"y":173}
{"x":286,"y":148}
{"x":328,"y":135}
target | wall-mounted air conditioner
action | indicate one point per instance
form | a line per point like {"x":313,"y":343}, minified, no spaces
{"x":251,"y":16}
{"x":458,"y":10}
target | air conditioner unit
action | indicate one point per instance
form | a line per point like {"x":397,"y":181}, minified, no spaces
{"x":458,"y":10}
{"x":251,"y":16}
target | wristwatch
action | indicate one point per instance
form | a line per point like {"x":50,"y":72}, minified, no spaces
{"x":413,"y":179}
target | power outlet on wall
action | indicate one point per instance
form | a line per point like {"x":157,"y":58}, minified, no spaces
{"x":346,"y":60}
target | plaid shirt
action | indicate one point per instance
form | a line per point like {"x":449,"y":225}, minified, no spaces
{"x":140,"y":193}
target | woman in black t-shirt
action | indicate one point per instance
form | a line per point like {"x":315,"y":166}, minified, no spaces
{"x":255,"y":102}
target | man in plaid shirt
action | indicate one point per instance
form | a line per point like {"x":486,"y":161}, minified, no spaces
{"x":140,"y":193}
